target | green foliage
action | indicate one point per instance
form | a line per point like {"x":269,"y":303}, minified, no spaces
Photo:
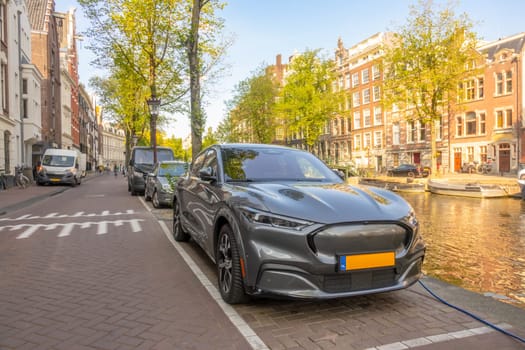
{"x":209,"y":139}
{"x":251,"y":117}
{"x":307,"y":101}
{"x":427,"y":60}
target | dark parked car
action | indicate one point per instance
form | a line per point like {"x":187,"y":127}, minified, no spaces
{"x":159,"y":183}
{"x":277,"y":221}
{"x":141,"y":163}
{"x":408,"y":170}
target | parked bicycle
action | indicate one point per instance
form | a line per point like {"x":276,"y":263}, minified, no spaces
{"x":21,"y":180}
{"x":484,"y":168}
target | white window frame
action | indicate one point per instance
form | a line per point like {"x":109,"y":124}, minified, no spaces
{"x":357,"y":120}
{"x":378,"y":116}
{"x":365,"y":76}
{"x":366,"y":96}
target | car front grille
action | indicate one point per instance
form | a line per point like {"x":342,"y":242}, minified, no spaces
{"x":359,"y":280}
{"x":360,"y":238}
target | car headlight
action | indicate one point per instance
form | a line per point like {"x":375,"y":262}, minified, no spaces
{"x":167,"y":187}
{"x":411,"y":219}
{"x":264,"y":218}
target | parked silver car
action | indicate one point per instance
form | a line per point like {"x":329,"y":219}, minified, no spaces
{"x":277,"y":221}
{"x":160,"y":182}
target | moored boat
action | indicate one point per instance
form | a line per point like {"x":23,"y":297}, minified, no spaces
{"x":475,"y":190}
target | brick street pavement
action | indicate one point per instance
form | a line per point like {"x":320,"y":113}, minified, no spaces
{"x":389,"y":321}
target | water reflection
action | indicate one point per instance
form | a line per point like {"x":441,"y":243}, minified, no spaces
{"x":477,"y":244}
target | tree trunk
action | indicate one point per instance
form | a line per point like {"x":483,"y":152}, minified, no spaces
{"x":433,"y":149}
{"x":196,"y":117}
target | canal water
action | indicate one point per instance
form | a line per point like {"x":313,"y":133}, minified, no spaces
{"x":476,"y":244}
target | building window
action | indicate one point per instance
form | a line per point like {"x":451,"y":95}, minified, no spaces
{"x":508,"y":82}
{"x":377,"y":93}
{"x":378,"y":139}
{"x":481,"y":88}
{"x":378,"y":116}
{"x":365,"y":75}
{"x":470,"y":124}
{"x":438,"y":125}
{"x":24,"y":108}
{"x":348,"y":125}
{"x":508,"y":118}
{"x":357,"y":142}
{"x":357,"y":120}
{"x":499,"y":83}
{"x":504,"y":119}
{"x":366,"y":96}
{"x":376,"y":74}
{"x":2,"y":22}
{"x":355,"y":99}
{"x":421,"y":128}
{"x":482,"y":124}
{"x":396,"y":134}
{"x":367,"y":121}
{"x":411,"y":131}
{"x":459,"y":126}
{"x":348,"y":80}
{"x":483,"y":153}
{"x":355,"y":79}
{"x":367,"y":141}
{"x":470,"y":154}
{"x":24,"y":86}
{"x":3,"y":82}
{"x":470,"y":90}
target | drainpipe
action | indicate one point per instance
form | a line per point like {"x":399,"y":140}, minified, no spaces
{"x":515,"y":60}
{"x":22,"y":158}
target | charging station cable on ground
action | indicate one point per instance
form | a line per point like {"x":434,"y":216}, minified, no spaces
{"x":499,"y":329}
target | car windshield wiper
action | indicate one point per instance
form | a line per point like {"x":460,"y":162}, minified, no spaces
{"x":240,"y":180}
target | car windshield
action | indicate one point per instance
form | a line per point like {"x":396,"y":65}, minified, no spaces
{"x":145,"y":156}
{"x":58,"y":160}
{"x":171,"y":169}
{"x":274,"y":164}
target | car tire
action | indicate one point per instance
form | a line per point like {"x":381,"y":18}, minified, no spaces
{"x":411,"y":174}
{"x":229,"y":268}
{"x":389,"y":173}
{"x":178,"y":232}
{"x":155,"y":199}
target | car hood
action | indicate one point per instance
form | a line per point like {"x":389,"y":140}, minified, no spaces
{"x":325,"y":203}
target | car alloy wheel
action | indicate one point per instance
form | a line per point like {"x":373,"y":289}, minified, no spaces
{"x":155,"y":199}
{"x":178,"y":233}
{"x":228,"y":268}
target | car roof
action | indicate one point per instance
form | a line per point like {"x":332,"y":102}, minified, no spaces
{"x":254,"y":146}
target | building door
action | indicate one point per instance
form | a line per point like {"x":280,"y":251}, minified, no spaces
{"x":416,"y":157}
{"x":504,"y":158}
{"x":457,"y":162}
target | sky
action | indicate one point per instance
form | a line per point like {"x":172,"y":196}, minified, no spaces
{"x":262,"y":29}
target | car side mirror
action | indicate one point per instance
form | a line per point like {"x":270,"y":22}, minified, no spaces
{"x":131,"y":162}
{"x":151,"y":175}
{"x":206,"y":174}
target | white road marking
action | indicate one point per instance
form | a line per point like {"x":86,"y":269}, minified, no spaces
{"x":79,"y":214}
{"x":67,"y":228}
{"x":246,"y":331}
{"x":432,"y":339}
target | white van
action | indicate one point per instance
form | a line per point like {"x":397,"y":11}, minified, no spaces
{"x":60,"y":166}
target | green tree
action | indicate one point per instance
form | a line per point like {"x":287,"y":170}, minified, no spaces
{"x":252,"y":109}
{"x":307,"y":101}
{"x":426,"y":63}
{"x":209,"y":139}
{"x":161,"y":42}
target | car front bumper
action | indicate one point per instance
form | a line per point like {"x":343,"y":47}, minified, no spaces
{"x":301,"y":265}
{"x":46,"y":179}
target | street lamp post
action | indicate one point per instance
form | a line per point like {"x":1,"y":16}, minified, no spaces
{"x":154,"y":105}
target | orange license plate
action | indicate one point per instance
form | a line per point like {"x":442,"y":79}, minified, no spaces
{"x":366,"y":261}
